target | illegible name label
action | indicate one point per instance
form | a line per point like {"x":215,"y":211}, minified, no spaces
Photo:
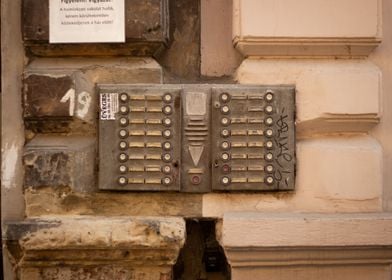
{"x":109,"y":106}
{"x":86,"y":21}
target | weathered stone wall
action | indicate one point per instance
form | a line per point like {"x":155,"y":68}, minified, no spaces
{"x":57,"y":147}
{"x":95,"y":247}
{"x":49,"y":141}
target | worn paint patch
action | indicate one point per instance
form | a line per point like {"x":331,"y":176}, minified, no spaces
{"x":8,"y":167}
{"x":69,"y":97}
{"x":84,"y":102}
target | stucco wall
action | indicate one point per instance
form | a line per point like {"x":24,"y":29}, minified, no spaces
{"x":382,"y":57}
{"x":333,"y":107}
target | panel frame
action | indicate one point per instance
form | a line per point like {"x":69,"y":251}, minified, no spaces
{"x":211,"y":176}
{"x":281,"y":139}
{"x":107,"y":129}
{"x":202,"y":170}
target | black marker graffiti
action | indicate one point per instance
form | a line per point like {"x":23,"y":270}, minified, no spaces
{"x":283,"y":155}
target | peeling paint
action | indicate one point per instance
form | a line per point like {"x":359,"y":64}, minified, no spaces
{"x":8,"y":167}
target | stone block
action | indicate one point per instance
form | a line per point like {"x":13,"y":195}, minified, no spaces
{"x":181,"y":60}
{"x":63,"y":201}
{"x":59,"y":94}
{"x":38,"y":237}
{"x":56,"y":161}
{"x":43,"y":95}
{"x":340,"y":168}
{"x":146,"y":31}
{"x":332,"y":96}
{"x":308,"y":246}
{"x":101,"y":272}
{"x":218,"y":55}
{"x":289,"y":28}
{"x":96,"y":247}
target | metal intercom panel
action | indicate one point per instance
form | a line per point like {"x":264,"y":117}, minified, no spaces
{"x":196,"y":138}
{"x":139,"y":138}
{"x":253,"y":138}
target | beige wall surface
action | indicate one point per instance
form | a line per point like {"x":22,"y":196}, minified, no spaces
{"x":218,"y":56}
{"x":354,"y":95}
{"x":307,"y":18}
{"x":382,"y":57}
{"x":334,"y":175}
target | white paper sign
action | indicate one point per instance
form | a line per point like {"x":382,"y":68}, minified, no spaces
{"x":86,"y":21}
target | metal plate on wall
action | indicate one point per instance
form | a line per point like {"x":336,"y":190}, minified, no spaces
{"x":196,"y":131}
{"x":139,"y":133}
{"x":253,"y":138}
{"x":197,"y":138}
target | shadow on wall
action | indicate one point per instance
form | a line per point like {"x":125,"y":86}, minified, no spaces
{"x":202,"y":257}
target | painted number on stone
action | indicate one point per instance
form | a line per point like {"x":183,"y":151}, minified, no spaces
{"x":84,"y":101}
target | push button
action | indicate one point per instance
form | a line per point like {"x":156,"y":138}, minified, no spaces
{"x":225,"y":181}
{"x":269,"y":168}
{"x":225,"y":109}
{"x":269,"y":180}
{"x":123,"y":145}
{"x":225,"y":97}
{"x":269,"y":109}
{"x":167,"y":110}
{"x":225,"y":145}
{"x":123,"y":121}
{"x":123,"y":157}
{"x":225,"y":133}
{"x":269,"y":96}
{"x":166,"y":169}
{"x":122,"y":181}
{"x":167,"y":122}
{"x":166,"y":146}
{"x":167,"y":133}
{"x":166,"y":181}
{"x":122,"y":169}
{"x":226,"y":168}
{"x":225,"y":157}
{"x":123,"y":97}
{"x":225,"y":121}
{"x":123,"y":133}
{"x":196,"y":180}
{"x":269,"y":121}
{"x":166,"y":157}
{"x":269,"y":157}
{"x":124,"y":109}
{"x":167,"y":97}
{"x":269,"y":133}
{"x":269,"y":145}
